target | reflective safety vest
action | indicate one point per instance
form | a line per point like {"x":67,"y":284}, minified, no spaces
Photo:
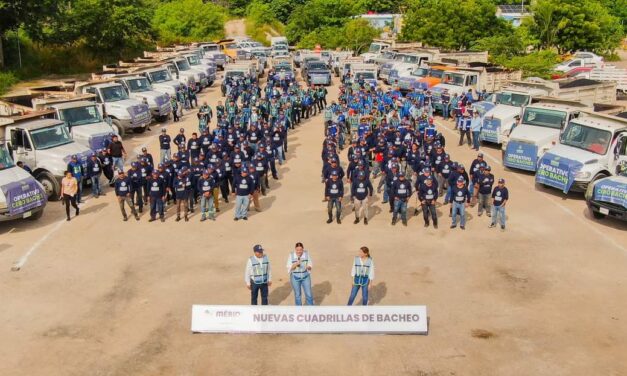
{"x":301,"y":272}
{"x":362,"y":271}
{"x":260,"y":271}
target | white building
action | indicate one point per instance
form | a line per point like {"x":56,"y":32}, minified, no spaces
{"x":512,"y":13}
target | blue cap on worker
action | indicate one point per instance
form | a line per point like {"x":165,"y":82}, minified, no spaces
{"x":257,"y":248}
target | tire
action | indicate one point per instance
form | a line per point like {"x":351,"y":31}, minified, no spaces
{"x":117,"y":127}
{"x":140,"y":130}
{"x":50,"y":184}
{"x":597,"y":215}
{"x":36,"y":215}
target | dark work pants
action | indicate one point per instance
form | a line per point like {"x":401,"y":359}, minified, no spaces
{"x":429,"y":209}
{"x":69,"y":200}
{"x":461,"y":137}
{"x":254,"y":293}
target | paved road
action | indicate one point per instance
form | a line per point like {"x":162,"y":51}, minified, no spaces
{"x":100,"y":296}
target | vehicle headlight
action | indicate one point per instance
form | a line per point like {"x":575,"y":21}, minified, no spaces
{"x":583,"y":175}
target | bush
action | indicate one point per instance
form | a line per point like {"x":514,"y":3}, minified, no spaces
{"x":536,"y":64}
{"x":7,"y":79}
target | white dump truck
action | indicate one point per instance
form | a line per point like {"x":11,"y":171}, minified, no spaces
{"x":126,"y":114}
{"x":512,"y":99}
{"x":213,"y":49}
{"x":82,"y":117}
{"x":538,"y":131}
{"x":161,"y":80}
{"x":139,"y":88}
{"x":44,"y":145}
{"x":591,"y":147}
{"x":21,"y":196}
{"x":364,"y":72}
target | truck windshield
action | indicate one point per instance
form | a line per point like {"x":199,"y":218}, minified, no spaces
{"x":233,"y":74}
{"x":317,"y":66}
{"x":411,"y":59}
{"x":5,"y":158}
{"x":80,"y":116}
{"x":160,"y":76}
{"x":137,"y":85}
{"x":50,"y":137}
{"x":374,"y":48}
{"x":113,"y":93}
{"x":583,"y":137}
{"x":455,"y":79}
{"x":541,"y":117}
{"x":211,"y":48}
{"x":182,"y":65}
{"x":420,"y":72}
{"x":193,"y":60}
{"x":364,"y":75}
{"x":388,"y":55}
{"x":512,"y":99}
{"x":437,"y":73}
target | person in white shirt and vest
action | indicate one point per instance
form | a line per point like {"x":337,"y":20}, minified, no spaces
{"x":299,"y":266}
{"x":258,"y":276}
{"x":363,"y":274}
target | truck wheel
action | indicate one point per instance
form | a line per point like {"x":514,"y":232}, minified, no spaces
{"x":140,"y":129}
{"x":50,"y":184}
{"x":36,"y":215}
{"x":118,"y":128}
{"x":597,"y":215}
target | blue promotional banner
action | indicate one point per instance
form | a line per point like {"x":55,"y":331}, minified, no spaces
{"x":557,"y":172}
{"x":98,"y":142}
{"x":490,"y":130}
{"x":612,"y":190}
{"x":521,"y":155}
{"x":23,"y":195}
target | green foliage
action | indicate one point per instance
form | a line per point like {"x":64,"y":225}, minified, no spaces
{"x":618,"y":9}
{"x":357,"y":34}
{"x":261,"y":22}
{"x":451,"y":23}
{"x":318,"y":14}
{"x":187,"y":21}
{"x":260,"y":13}
{"x":572,"y":25}
{"x":536,"y":64}
{"x":282,"y":9}
{"x":7,"y":79}
{"x":237,"y":7}
{"x":379,"y":6}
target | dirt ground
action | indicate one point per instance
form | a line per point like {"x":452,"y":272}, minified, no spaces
{"x":99,"y":296}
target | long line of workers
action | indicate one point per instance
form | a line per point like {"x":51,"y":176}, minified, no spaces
{"x":236,"y":157}
{"x":394,"y":136}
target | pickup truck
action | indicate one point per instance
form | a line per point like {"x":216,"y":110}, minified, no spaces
{"x":421,"y":78}
{"x":474,"y":79}
{"x":497,"y":123}
{"x":125,"y":113}
{"x":608,"y":196}
{"x":82,"y":118}
{"x":577,"y":63}
{"x":21,"y":196}
{"x":316,"y":72}
{"x":44,"y":145}
{"x":591,"y":147}
{"x":538,"y":131}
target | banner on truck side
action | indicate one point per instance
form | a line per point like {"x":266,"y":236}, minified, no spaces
{"x":309,"y":319}
{"x":23,"y":195}
{"x":612,"y":190}
{"x":557,"y":172}
{"x":521,"y":155}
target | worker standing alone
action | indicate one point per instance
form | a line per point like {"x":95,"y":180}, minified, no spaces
{"x":258,"y":276}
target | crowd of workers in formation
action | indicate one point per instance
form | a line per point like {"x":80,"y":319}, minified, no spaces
{"x":389,"y":135}
{"x":394,"y":136}
{"x":236,"y":157}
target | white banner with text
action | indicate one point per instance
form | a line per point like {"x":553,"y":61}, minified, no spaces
{"x":309,"y":319}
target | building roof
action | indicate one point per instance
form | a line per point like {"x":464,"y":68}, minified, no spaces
{"x":512,"y":8}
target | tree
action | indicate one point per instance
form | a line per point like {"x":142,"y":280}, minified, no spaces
{"x":188,"y":21}
{"x":318,"y":14}
{"x":451,"y":23}
{"x":570,"y":25}
{"x":358,"y":34}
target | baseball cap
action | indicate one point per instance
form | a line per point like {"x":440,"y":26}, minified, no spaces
{"x":501,"y":181}
{"x":163,"y":130}
{"x":258,"y":248}
{"x":144,"y":149}
{"x":480,"y":155}
{"x":461,"y":179}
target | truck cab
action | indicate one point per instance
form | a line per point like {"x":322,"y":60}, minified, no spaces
{"x":316,"y":72}
{"x":375,"y":50}
{"x":161,"y":80}
{"x":213,"y":49}
{"x":140,"y":89}
{"x":364,"y":72}
{"x":608,"y":196}
{"x":183,"y":72}
{"x":84,"y":121}
{"x":44,"y":145}
{"x":421,"y":78}
{"x":539,"y":130}
{"x":125,"y":113}
{"x":591,"y":147}
{"x":203,"y":66}
{"x":237,"y":72}
{"x":21,"y":196}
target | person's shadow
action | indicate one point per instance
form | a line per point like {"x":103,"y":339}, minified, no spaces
{"x":376,"y":293}
{"x":279,"y":294}
{"x":321,"y":291}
